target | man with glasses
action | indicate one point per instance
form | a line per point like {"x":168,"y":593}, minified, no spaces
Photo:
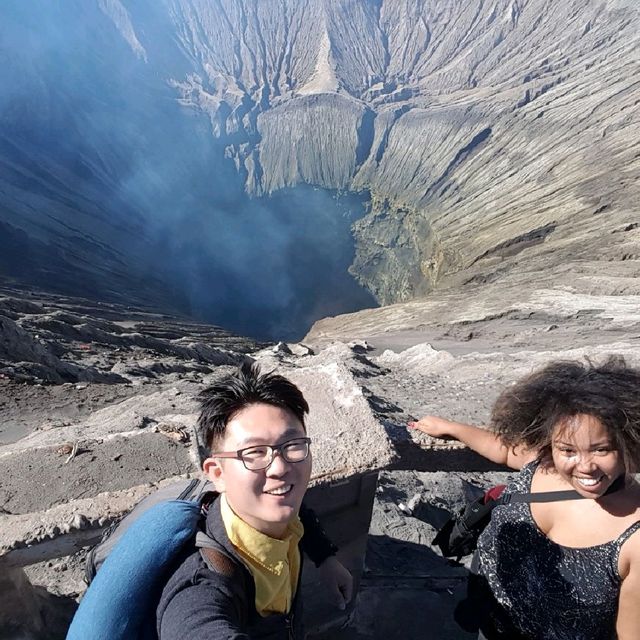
{"x":246,"y":587}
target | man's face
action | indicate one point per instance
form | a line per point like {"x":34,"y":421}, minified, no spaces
{"x":269,"y":498}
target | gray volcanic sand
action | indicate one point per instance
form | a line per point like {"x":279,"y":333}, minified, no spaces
{"x":409,"y":591}
{"x":453,"y":365}
{"x":49,"y":406}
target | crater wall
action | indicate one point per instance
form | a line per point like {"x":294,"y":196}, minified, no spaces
{"x":471,"y":124}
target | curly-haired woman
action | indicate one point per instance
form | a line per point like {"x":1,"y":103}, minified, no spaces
{"x":570,"y":569}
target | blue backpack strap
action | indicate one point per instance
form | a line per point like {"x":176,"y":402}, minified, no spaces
{"x":120,"y":603}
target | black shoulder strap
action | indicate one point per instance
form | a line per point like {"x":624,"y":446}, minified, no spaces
{"x":557,"y":496}
{"x":546,"y":496}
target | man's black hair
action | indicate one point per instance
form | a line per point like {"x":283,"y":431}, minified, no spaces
{"x":225,"y":398}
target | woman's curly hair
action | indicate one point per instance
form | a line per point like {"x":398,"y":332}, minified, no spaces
{"x":526,"y":414}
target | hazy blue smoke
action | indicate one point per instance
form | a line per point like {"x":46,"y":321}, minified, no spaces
{"x":110,"y":188}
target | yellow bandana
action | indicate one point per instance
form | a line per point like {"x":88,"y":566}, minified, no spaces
{"x":274,"y":564}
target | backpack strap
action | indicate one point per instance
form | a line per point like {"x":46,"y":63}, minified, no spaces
{"x":545,"y":496}
{"x":216,"y":557}
{"x":459,"y":535}
{"x":220,"y":561}
{"x":557,"y":496}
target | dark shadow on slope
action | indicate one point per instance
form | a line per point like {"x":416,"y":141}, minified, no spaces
{"x":404,"y":586}
{"x":460,"y":157}
{"x":365,"y":136}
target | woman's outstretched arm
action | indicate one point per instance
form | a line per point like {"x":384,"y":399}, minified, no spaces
{"x":480,"y":439}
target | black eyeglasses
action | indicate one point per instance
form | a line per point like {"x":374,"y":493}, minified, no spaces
{"x":261,"y":456}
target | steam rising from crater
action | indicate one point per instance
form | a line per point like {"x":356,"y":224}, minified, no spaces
{"x":114,"y":189}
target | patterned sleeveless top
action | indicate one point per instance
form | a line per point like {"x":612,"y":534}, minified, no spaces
{"x":549,"y":591}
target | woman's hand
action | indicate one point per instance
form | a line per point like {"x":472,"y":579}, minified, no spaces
{"x":338,"y":580}
{"x":480,"y":439}
{"x":435,"y":426}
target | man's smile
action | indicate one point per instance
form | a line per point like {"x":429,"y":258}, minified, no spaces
{"x":280,"y":491}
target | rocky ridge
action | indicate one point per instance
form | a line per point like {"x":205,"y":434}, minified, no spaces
{"x":98,"y":405}
{"x":55,"y":339}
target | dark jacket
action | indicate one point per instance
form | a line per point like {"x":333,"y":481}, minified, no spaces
{"x":216,"y":601}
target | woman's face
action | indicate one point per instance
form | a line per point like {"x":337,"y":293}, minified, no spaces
{"x":584,"y":455}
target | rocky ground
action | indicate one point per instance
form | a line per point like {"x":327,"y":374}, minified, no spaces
{"x":89,"y":392}
{"x":451,"y":354}
{"x":98,"y":407}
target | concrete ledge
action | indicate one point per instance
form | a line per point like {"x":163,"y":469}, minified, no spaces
{"x":29,"y":538}
{"x":43,"y":477}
